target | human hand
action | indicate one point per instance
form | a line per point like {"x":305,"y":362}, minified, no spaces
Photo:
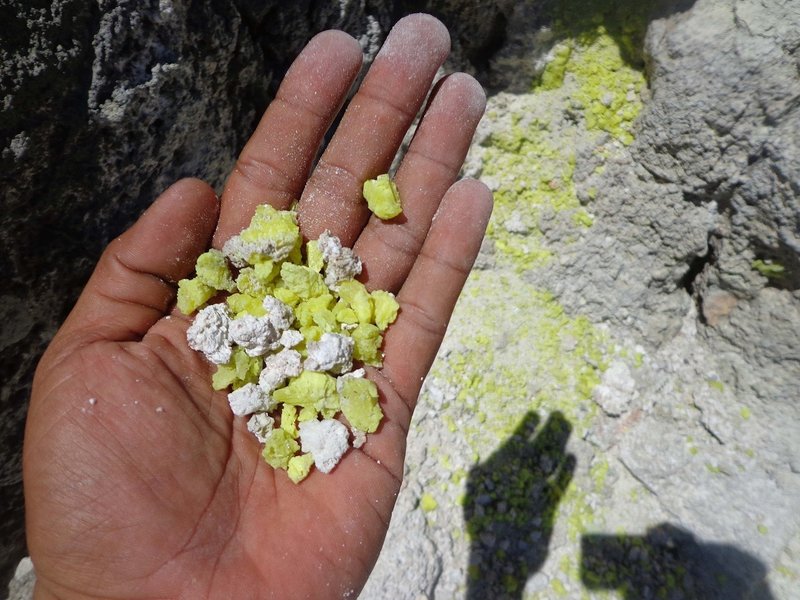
{"x":139,"y":482}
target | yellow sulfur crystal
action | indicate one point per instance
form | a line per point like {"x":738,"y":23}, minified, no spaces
{"x":360,"y":403}
{"x":382,"y":197}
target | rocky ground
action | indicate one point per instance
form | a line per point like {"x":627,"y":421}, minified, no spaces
{"x":614,"y":410}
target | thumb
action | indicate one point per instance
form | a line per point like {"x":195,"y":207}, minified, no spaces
{"x":134,"y":283}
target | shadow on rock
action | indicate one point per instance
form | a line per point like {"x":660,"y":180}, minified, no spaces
{"x":510,"y":507}
{"x":669,"y":563}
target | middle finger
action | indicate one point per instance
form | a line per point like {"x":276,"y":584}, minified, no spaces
{"x":373,"y":128}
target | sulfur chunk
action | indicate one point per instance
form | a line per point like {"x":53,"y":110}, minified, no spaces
{"x":271,"y":234}
{"x":260,"y":424}
{"x":311,"y":333}
{"x":326,"y":440}
{"x":192,"y":294}
{"x":340,"y":262}
{"x":344,"y":314}
{"x":357,"y":297}
{"x":278,"y":368}
{"x":310,"y":388}
{"x":382,"y":197}
{"x":307,"y":413}
{"x":286,"y":296}
{"x":212,"y":270}
{"x":248,"y":283}
{"x":280,"y":314}
{"x":368,"y":340}
{"x":299,"y":467}
{"x":304,"y":282}
{"x":241,"y":304}
{"x":209,"y":333}
{"x":326,"y":321}
{"x":386,"y":308}
{"x":314,"y":258}
{"x":289,"y":419}
{"x":333,"y":352}
{"x":360,"y":403}
{"x":306,"y":310}
{"x":255,"y":334}
{"x":238,"y":371}
{"x":248,"y":399}
{"x":266,"y":270}
{"x":279,"y":448}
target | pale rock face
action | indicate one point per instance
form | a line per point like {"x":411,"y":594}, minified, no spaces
{"x":617,"y":389}
{"x":333,"y":352}
{"x":209,"y":333}
{"x":238,"y":250}
{"x":278,"y":368}
{"x":256,"y":335}
{"x":326,"y":440}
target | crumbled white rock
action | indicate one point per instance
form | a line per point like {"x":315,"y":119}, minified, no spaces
{"x":290,"y":338}
{"x":280,"y":314}
{"x":278,"y":368}
{"x":358,"y":373}
{"x":333,"y":352}
{"x":359,"y":437}
{"x":256,"y":335}
{"x":260,"y":424}
{"x":209,"y":333}
{"x":239,"y":251}
{"x":617,"y":389}
{"x":248,"y":399}
{"x":340,"y":262}
{"x":326,"y":441}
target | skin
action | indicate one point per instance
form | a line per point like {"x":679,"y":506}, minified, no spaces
{"x":153,"y":489}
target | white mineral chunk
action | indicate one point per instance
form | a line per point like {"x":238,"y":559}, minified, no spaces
{"x":209,"y":333}
{"x":359,"y":437}
{"x":340,"y":262}
{"x":239,"y":251}
{"x":325,"y":440}
{"x":260,"y":424}
{"x":248,"y":399}
{"x":255,"y":334}
{"x":333,"y":352}
{"x":278,"y":368}
{"x":290,"y":338}
{"x":280,"y":314}
{"x":617,"y":389}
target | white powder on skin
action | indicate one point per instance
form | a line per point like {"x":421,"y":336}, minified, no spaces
{"x":209,"y":333}
{"x":326,"y":441}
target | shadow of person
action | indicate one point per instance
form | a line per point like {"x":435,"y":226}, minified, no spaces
{"x":510,"y":507}
{"x":670,"y":563}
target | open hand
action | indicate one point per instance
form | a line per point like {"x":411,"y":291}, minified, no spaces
{"x":139,"y":481}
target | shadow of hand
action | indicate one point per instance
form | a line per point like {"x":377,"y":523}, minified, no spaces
{"x":511,"y":504}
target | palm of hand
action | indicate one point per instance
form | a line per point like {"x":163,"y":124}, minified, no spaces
{"x":138,"y":479}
